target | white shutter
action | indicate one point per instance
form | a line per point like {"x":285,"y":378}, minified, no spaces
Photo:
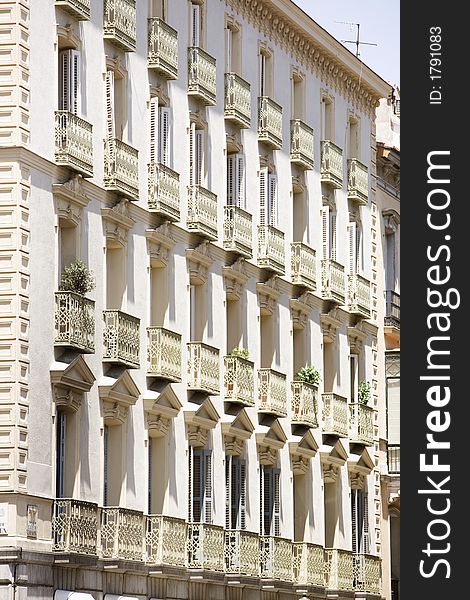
{"x":228,"y":50}
{"x":325,"y":215}
{"x":354,"y":521}
{"x":195,"y":24}
{"x":273,"y":220}
{"x":228,"y":491}
{"x":354,"y":375}
{"x":164,"y":135}
{"x":366,"y":540}
{"x":149,"y":475}
{"x":207,"y":482}
{"x":75,"y":82}
{"x":241,"y":463}
{"x":352,"y":246}
{"x":241,"y":181}
{"x":263,"y":185}
{"x":105,"y":464}
{"x":61,"y":441}
{"x":197,"y":485}
{"x":190,"y":483}
{"x":276,"y":529}
{"x":109,"y":84}
{"x":69,"y":80}
{"x":359,"y":249}
{"x":231,"y":174}
{"x":262,"y":74}
{"x":153,"y":126}
{"x":333,"y":236}
{"x":192,"y":152}
{"x":199,"y":157}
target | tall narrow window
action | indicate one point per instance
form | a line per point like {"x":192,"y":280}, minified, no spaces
{"x":158,"y":9}
{"x":298,"y":84}
{"x":196,"y":25}
{"x":327,"y":132}
{"x":232,"y":48}
{"x":354,"y":376}
{"x":200,"y":485}
{"x":113,"y":464}
{"x":353,"y":141}
{"x":61,"y":431}
{"x":105,"y":465}
{"x":116,"y":107}
{"x":268,"y":198}
{"x":360,"y":522}
{"x":355,"y":263}
{"x":69,"y":81}
{"x":390,"y":271}
{"x":265,"y":73}
{"x":235,"y":485}
{"x":160,"y":133}
{"x":196,"y":150}
{"x":329,"y":233}
{"x":269,"y":501}
{"x":236,"y":180}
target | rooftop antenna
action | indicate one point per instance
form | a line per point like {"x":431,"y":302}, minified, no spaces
{"x":357,"y":40}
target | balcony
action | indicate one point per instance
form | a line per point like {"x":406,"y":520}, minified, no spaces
{"x":361,"y":424}
{"x":74,"y":321}
{"x":339,"y":570}
{"x":202,"y":212}
{"x":335,"y":415}
{"x":239,"y":380}
{"x":272,"y":392}
{"x":359,"y":296}
{"x":301,"y":145}
{"x":304,"y":404}
{"x":166,"y":541}
{"x":74,"y":526}
{"x":331,"y":164}
{"x":205,"y":547}
{"x":242,"y":554}
{"x":203,"y":368}
{"x":271,"y":254}
{"x":202,"y":76}
{"x":394,"y":459}
{"x":367,"y":574}
{"x":164,"y":192}
{"x":238,"y":231}
{"x":392,"y":309}
{"x":122,"y":533}
{"x":162,"y":49}
{"x":121,"y":337}
{"x":121,"y":168}
{"x":237,"y":100}
{"x":333,"y":281}
{"x":308,"y":563}
{"x":80,"y":9}
{"x":303,"y":265}
{"x":358,"y":182}
{"x":163,"y":354}
{"x":276,"y":558}
{"x":269,"y":123}
{"x":119,"y":24}
{"x":73,"y":143}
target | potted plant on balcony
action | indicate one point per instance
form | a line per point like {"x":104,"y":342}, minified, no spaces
{"x":77,"y":278}
{"x":240,"y":353}
{"x":309,"y":374}
{"x":363,"y":395}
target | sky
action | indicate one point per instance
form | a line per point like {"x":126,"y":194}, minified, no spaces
{"x":380,"y":24}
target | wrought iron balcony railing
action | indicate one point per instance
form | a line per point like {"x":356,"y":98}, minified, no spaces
{"x":393,"y":459}
{"x":163,"y":48}
{"x":238,"y":231}
{"x":272,"y":392}
{"x":269,"y":122}
{"x":74,"y":526}
{"x":392,"y":309}
{"x":242,"y":553}
{"x":359,"y":295}
{"x":331,"y":164}
{"x":237,"y":100}
{"x":303,"y":265}
{"x":166,"y":541}
{"x":271,"y":252}
{"x":202,"y":76}
{"x":206,"y":547}
{"x":358,"y":182}
{"x":367,"y":573}
{"x":122,"y":533}
{"x":239,"y":380}
{"x":202,"y":212}
{"x":164,"y":353}
{"x":333,"y":281}
{"x":73,"y":143}
{"x":119,"y":24}
{"x":308,"y":563}
{"x":121,"y":336}
{"x":74,"y":321}
{"x":335,"y":415}
{"x":276,"y":558}
{"x":301,"y":145}
{"x":80,"y":9}
{"x":121,"y":168}
{"x":304,"y":404}
{"x":164,"y":191}
{"x":203,"y":368}
{"x":361,"y":424}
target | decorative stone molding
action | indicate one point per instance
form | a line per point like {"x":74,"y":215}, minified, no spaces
{"x":116,"y":395}
{"x":160,"y":406}
{"x":356,"y":480}
{"x":302,"y":449}
{"x":267,"y":456}
{"x":266,"y":161}
{"x":69,"y":382}
{"x":391,"y":220}
{"x":269,"y":439}
{"x":235,"y":432}
{"x":234,"y":143}
{"x":300,"y":464}
{"x":70,"y":199}
{"x":198,"y":118}
{"x":66,"y":399}
{"x":392,"y":364}
{"x":116,"y":65}
{"x":160,"y":92}
{"x":157,"y":426}
{"x":233,"y":446}
{"x":268,"y":294}
{"x":67,"y":37}
{"x":199,"y":260}
{"x":329,"y":324}
{"x":200,"y":422}
{"x":360,"y":464}
{"x":356,"y":339}
{"x":300,"y":309}
{"x":116,"y":223}
{"x":332,"y":458}
{"x":235,"y":278}
{"x":298,"y":183}
{"x":159,"y":243}
{"x":330,"y":472}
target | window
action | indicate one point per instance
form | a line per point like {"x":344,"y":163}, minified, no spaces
{"x":195,"y":33}
{"x":113,"y":464}
{"x":269,"y":501}
{"x":354,"y":147}
{"x":69,"y":81}
{"x":66,"y":453}
{"x":355,"y":264}
{"x":200,"y":485}
{"x":158,"y":9}
{"x":354,"y":376}
{"x":265,"y":72}
{"x":360,"y":522}
{"x":232,"y":48}
{"x":329,"y":233}
{"x":235,"y":496}
{"x":268,"y":198}
{"x":236,"y":180}
{"x":298,"y":102}
{"x":116,"y":108}
{"x":327,"y":129}
{"x":61,"y":429}
{"x":160,"y":133}
{"x":390,"y":270}
{"x":196,"y":158}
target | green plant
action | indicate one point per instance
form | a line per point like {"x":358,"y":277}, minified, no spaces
{"x":363,"y":395}
{"x":240,"y":352}
{"x":309,"y":374}
{"x":77,"y":278}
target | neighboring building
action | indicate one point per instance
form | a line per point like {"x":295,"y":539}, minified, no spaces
{"x":388,"y":263}
{"x":213,"y":163}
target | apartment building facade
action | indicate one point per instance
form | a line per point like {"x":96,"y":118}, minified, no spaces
{"x":205,"y":420}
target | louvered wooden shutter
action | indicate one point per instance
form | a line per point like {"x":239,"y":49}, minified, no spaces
{"x":325,"y":215}
{"x":153,"y":127}
{"x":228,"y":50}
{"x":164,"y":131}
{"x":69,"y":81}
{"x":199,"y":158}
{"x":195,"y":24}
{"x":228,"y":491}
{"x":242,"y":479}
{"x":192,"y":154}
{"x":231,"y":173}
{"x":265,"y":500}
{"x":333,"y":237}
{"x":207,"y":483}
{"x":365,"y":511}
{"x":354,"y":521}
{"x":240,"y":181}
{"x":359,"y":250}
{"x":262,"y":74}
{"x":190,"y":483}
{"x":352,"y":246}
{"x":276,"y":529}
{"x":105,"y":464}
{"x":263,"y":185}
{"x":273,"y":200}
{"x":149,"y":476}
{"x":109,"y":84}
{"x":197,"y":485}
{"x":61,"y":442}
